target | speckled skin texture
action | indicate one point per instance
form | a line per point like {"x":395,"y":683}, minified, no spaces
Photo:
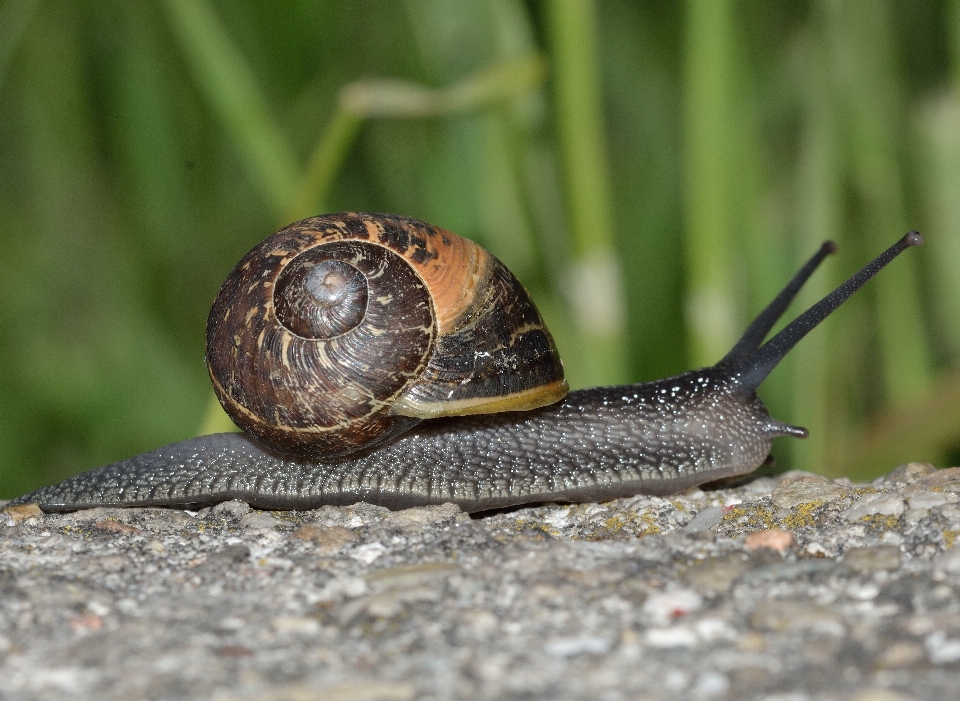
{"x":598,"y":444}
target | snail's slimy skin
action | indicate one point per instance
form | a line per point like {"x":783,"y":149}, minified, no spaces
{"x":597,"y":444}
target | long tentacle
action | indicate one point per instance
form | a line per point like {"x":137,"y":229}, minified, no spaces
{"x":755,"y":368}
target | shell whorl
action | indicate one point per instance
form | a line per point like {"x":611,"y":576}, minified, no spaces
{"x":339,"y":332}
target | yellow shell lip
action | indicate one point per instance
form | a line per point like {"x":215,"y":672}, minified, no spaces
{"x":525,"y":400}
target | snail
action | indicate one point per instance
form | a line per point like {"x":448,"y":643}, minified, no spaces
{"x":473,"y":408}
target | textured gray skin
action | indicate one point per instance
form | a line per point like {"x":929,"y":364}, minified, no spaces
{"x":597,"y":444}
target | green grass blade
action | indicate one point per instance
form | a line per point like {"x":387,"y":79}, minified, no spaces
{"x":14,"y":17}
{"x":869,"y":96}
{"x":230,"y":87}
{"x":711,"y":309}
{"x":596,"y":287}
{"x":819,"y":213}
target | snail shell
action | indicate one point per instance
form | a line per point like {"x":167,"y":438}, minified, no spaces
{"x":340,"y":332}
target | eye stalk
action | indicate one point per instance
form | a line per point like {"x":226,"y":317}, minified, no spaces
{"x":752,"y":365}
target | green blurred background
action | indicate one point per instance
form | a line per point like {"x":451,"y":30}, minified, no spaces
{"x":652,"y":171}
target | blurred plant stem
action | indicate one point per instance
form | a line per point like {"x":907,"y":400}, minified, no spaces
{"x":860,"y":46}
{"x":228,"y":83}
{"x":14,"y":17}
{"x":711,"y":180}
{"x":595,"y":288}
{"x":953,"y":39}
{"x":818,"y":198}
{"x":366,"y":99}
{"x":938,"y":126}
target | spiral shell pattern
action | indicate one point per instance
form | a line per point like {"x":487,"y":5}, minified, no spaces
{"x":340,"y":332}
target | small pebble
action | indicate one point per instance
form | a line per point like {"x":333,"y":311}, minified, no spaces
{"x":259,"y":521}
{"x":572,"y":647}
{"x":664,"y":607}
{"x":930,"y":500}
{"x":22,"y":512}
{"x":368,"y":552}
{"x":902,"y":653}
{"x":295,"y":625}
{"x":705,"y":519}
{"x":909,"y":473}
{"x":424,"y":515}
{"x":881,"y":694}
{"x":873,"y":559}
{"x":329,"y":539}
{"x":233,"y":510}
{"x":949,"y":476}
{"x":773,"y":538}
{"x":876,"y":505}
{"x":790,"y":494}
{"x":116,"y":527}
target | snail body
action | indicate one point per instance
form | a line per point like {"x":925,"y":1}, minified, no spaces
{"x":482,"y":368}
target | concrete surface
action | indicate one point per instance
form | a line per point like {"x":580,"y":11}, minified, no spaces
{"x":794,"y":589}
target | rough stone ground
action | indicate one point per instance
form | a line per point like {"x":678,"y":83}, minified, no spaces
{"x":794,"y":589}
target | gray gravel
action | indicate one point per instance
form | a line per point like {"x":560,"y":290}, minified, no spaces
{"x":793,"y":589}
